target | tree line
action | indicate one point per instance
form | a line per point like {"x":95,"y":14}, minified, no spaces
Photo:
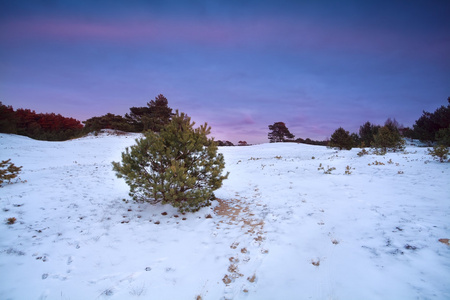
{"x":430,"y":128}
{"x":152,"y":117}
{"x":54,"y":127}
{"x":280,"y":133}
{"x":41,"y":126}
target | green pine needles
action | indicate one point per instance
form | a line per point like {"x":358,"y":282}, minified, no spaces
{"x":8,"y":171}
{"x":179,"y":166}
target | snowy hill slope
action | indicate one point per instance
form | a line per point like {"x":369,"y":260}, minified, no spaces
{"x":282,"y":230}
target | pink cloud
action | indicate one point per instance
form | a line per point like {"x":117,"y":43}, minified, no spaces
{"x":258,"y":32}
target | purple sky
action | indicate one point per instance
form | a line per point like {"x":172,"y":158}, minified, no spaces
{"x":237,"y":65}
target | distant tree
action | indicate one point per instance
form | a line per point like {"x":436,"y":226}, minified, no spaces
{"x":407,"y":132}
{"x":279,"y":133}
{"x":161,"y":113}
{"x":443,"y":137}
{"x":153,"y":117}
{"x":108,"y":121}
{"x":428,"y":125}
{"x":242,"y":143}
{"x":8,"y":119}
{"x":48,"y":126}
{"x":356,"y":140}
{"x":224,"y":143}
{"x":179,"y":165}
{"x":393,"y":125}
{"x":341,"y":139}
{"x":309,"y":141}
{"x":367,"y":133}
{"x":388,"y":139}
{"x":138,"y":118}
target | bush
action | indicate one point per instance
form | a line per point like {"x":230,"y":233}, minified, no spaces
{"x":341,"y":139}
{"x":179,"y":166}
{"x":8,"y":171}
{"x":362,"y":152}
{"x":443,"y":136}
{"x":388,"y":139}
{"x":440,"y":152}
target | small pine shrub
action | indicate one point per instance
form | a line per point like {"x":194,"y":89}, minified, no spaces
{"x":379,"y":151}
{"x":388,"y":139}
{"x":179,"y":166}
{"x":8,"y":171}
{"x":439,"y":152}
{"x":327,"y":171}
{"x":362,"y":152}
{"x":341,"y":139}
{"x":348,"y":170}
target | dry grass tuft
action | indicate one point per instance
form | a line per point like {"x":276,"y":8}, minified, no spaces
{"x":252,"y":278}
{"x":445,"y":241}
{"x":11,"y":221}
{"x":316,"y":262}
{"x":227,"y":280}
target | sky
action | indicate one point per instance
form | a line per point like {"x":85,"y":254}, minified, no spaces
{"x":240,"y":66}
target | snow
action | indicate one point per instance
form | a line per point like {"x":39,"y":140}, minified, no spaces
{"x":282,"y":230}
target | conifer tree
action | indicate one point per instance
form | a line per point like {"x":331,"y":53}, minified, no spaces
{"x":367,"y":133}
{"x":388,"y":139}
{"x":341,"y":139}
{"x":179,"y":165}
{"x":8,"y":171}
{"x":279,"y":133}
{"x":108,"y":121}
{"x":152,"y":117}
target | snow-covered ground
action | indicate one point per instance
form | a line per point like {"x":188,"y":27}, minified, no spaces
{"x":282,"y":230}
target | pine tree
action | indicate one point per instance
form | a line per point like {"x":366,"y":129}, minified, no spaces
{"x":388,"y":139}
{"x":429,"y":124}
{"x":440,"y":152}
{"x":341,"y":139}
{"x":153,"y":117}
{"x":160,"y":113}
{"x":279,"y":133}
{"x":443,"y":136}
{"x":179,"y":166}
{"x":8,"y":119}
{"x":367,"y":133}
{"x":8,"y":171}
{"x":108,"y":121}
